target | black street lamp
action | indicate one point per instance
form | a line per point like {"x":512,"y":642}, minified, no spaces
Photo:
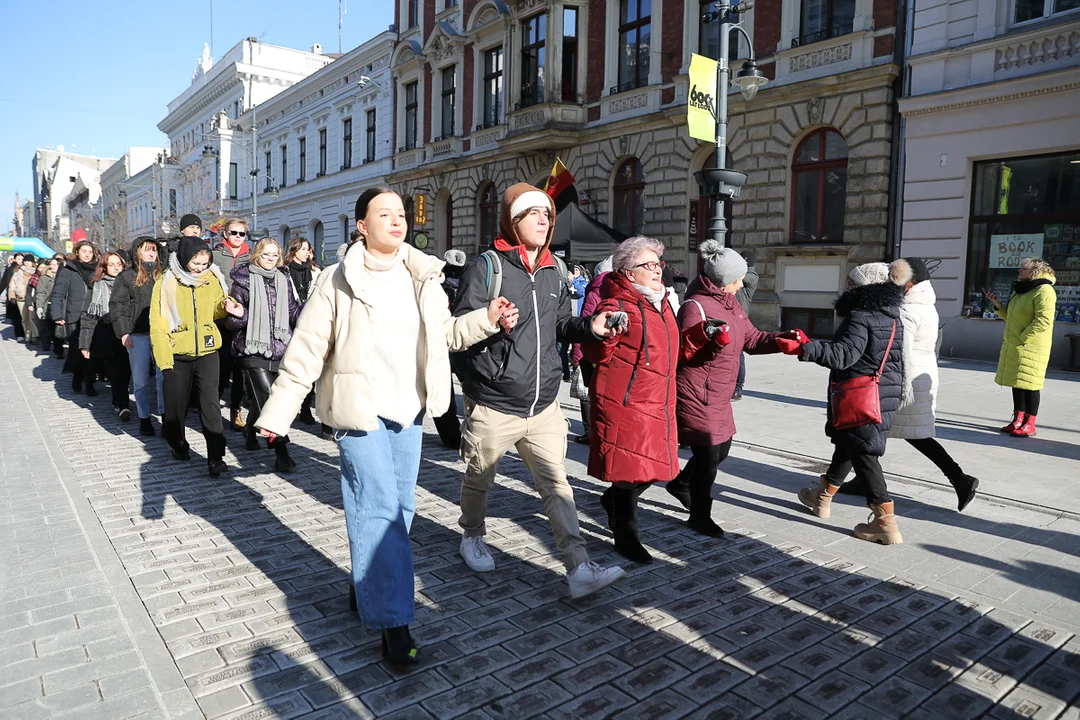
{"x":719,"y":182}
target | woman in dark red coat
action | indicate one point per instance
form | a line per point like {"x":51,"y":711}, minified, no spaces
{"x":633,"y":438}
{"x":715,"y":332}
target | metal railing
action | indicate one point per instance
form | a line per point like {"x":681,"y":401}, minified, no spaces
{"x":822,"y":35}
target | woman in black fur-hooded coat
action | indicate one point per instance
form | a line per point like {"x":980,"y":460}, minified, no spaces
{"x":870,"y":316}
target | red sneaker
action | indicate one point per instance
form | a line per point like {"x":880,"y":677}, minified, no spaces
{"x":1017,"y":421}
{"x":1027,"y":428}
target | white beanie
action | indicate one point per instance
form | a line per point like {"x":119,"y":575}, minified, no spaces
{"x":869,"y":274}
{"x":530,"y":199}
{"x":722,"y":265}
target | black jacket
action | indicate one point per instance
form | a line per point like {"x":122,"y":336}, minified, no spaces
{"x":68,"y":294}
{"x":129,"y":305}
{"x":8,"y":272}
{"x":869,"y":313}
{"x":519,"y":373}
{"x":745,"y":295}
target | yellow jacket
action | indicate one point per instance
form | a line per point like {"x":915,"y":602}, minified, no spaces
{"x":197,"y":334}
{"x":1029,"y":335}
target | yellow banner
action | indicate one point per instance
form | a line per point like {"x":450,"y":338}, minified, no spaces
{"x":701,"y":105}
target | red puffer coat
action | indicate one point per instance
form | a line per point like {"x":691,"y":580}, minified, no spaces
{"x":707,"y":374}
{"x":633,"y":390}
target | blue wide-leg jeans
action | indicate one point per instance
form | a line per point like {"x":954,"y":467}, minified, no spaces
{"x":142,"y":365}
{"x":378,"y":486}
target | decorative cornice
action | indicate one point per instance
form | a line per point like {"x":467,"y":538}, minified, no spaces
{"x":989,"y":100}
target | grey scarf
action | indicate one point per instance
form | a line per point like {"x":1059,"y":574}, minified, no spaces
{"x":99,"y":300}
{"x":655,"y":297}
{"x":258,"y":340}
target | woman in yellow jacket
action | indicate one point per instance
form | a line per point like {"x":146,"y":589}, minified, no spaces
{"x":1029,"y":335}
{"x":186,"y":302}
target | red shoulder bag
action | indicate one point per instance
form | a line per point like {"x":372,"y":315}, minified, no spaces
{"x":857,"y":401}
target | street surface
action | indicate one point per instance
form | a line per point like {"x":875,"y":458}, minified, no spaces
{"x":133,"y":586}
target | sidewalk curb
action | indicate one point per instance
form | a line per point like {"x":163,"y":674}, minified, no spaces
{"x":172,"y":692}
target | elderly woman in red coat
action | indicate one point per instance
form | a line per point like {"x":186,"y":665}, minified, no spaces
{"x":715,"y":332}
{"x":633,"y":438}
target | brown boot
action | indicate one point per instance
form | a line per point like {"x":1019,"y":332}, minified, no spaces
{"x":819,"y":499}
{"x":882,"y":526}
{"x":237,"y":420}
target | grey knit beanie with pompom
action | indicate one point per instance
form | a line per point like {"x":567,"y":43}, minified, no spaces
{"x":721,"y":264}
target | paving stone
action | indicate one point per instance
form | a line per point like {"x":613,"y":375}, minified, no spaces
{"x":815,"y":661}
{"x":528,"y":702}
{"x":661,"y":706}
{"x":282,"y":707}
{"x":410,"y":690}
{"x":959,"y":702}
{"x":760,"y":655}
{"x":473,"y":665}
{"x":1017,"y":654}
{"x":770,"y":686}
{"x":599,"y":703}
{"x":886,"y":621}
{"x":697,"y":654}
{"x":647,"y":680}
{"x":988,"y":681}
{"x":800,"y":636}
{"x":930,"y":671}
{"x":487,"y":614}
{"x":593,"y":644}
{"x":1055,"y":681}
{"x":534,"y":669}
{"x":493,"y":634}
{"x":645,"y":649}
{"x":1023,"y":702}
{"x":962,"y":650}
{"x":710,"y":682}
{"x":590,"y":674}
{"x":873,"y":666}
{"x":465,"y":697}
{"x":795,"y":709}
{"x":894,"y":697}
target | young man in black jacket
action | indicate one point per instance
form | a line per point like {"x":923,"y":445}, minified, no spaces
{"x":511,"y":383}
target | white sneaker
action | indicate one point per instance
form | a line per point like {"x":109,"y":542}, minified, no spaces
{"x":476,"y":554}
{"x":588,"y":577}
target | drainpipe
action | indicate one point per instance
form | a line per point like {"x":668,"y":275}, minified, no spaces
{"x":905,"y":22}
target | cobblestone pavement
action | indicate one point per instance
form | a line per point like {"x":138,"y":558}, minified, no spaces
{"x":244,"y":579}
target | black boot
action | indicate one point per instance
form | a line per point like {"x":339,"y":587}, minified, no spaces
{"x":305,"y":416}
{"x":283,"y":463}
{"x":76,"y":383}
{"x":680,"y":490}
{"x":858,"y":486}
{"x":146,"y":428}
{"x":965,"y":486}
{"x":398,"y":646}
{"x":216,"y":467}
{"x":701,"y":509}
{"x":91,"y":391}
{"x":621,"y":507}
{"x":251,"y":440}
{"x":182,"y":453}
{"x":352,"y":597}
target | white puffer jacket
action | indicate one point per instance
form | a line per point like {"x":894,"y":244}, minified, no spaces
{"x":919,"y":315}
{"x":332,"y":345}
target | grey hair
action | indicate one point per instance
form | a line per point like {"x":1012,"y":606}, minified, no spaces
{"x":630,"y":249}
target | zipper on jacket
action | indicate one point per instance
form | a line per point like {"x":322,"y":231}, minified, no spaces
{"x":195,"y":321}
{"x":643,"y":349}
{"x":673,"y":462}
{"x":536,"y":322}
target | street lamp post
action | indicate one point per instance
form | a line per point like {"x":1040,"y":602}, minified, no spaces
{"x":719,"y":182}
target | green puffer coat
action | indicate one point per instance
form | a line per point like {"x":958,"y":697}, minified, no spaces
{"x":1029,"y":334}
{"x":199,"y":307}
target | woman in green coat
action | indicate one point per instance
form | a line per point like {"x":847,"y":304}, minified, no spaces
{"x":1029,"y":335}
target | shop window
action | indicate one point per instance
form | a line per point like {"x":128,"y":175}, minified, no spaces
{"x":533,"y":41}
{"x":628,"y":191}
{"x":1036,"y":9}
{"x":824,"y":19}
{"x":819,"y":189}
{"x":635,"y":36}
{"x":489,"y":215}
{"x":815,"y":322}
{"x":1024,"y":207}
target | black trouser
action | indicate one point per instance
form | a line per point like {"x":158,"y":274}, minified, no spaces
{"x":1026,"y":401}
{"x":16,"y":321}
{"x":259,"y":381}
{"x":867,"y":468}
{"x":741,"y":378}
{"x":448,"y":425}
{"x":118,"y":367}
{"x":937,"y":454}
{"x":587,"y":372}
{"x":229,"y":370}
{"x":699,"y":474}
{"x":75,"y":363}
{"x":202,"y":375}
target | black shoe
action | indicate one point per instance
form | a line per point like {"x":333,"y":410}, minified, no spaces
{"x":283,"y":463}
{"x":736,"y":397}
{"x":965,"y":491}
{"x":124,"y":414}
{"x":251,"y":442}
{"x":352,"y":596}
{"x":705,"y":526}
{"x":76,"y":385}
{"x":182,"y":454}
{"x":680,"y":491}
{"x":146,"y":428}
{"x":305,"y":416}
{"x":327,"y":432}
{"x":398,"y":646}
{"x":858,"y":486}
{"x":583,"y":439}
{"x":91,"y":391}
{"x":217,"y":467}
{"x":621,"y":507}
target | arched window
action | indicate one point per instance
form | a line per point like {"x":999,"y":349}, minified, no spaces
{"x":449,"y":221}
{"x":489,"y":215}
{"x":317,"y":246}
{"x":819,"y":188}
{"x":629,"y":189}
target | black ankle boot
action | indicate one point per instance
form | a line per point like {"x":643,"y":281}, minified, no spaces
{"x":965,"y":487}
{"x":701,"y":509}
{"x":352,"y":597}
{"x":679,"y":490}
{"x":251,"y":441}
{"x":216,"y":467}
{"x":283,"y":463}
{"x":91,"y":391}
{"x":182,"y":453}
{"x":621,"y":507}
{"x":146,"y":428}
{"x":398,"y":646}
{"x":305,"y":416}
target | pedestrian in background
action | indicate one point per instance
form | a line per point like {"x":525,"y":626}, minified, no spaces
{"x":42,"y":298}
{"x":14,"y":264}
{"x":745,"y":296}
{"x":17,"y":287}
{"x":634,"y":441}
{"x":1029,"y":336}
{"x":100,"y":347}
{"x":448,"y":425}
{"x":66,"y":304}
{"x":129,"y":308}
{"x":715,"y":333}
{"x":261,"y":331}
{"x":233,"y":250}
{"x":375,"y":335}
{"x":868,"y":343}
{"x":302,"y":272}
{"x":188,"y":301}
{"x":589,"y":304}
{"x":31,"y":321}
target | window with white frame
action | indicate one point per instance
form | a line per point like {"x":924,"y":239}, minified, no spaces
{"x":284,"y":165}
{"x":533,"y":59}
{"x":370,"y":136}
{"x":1037,"y":9}
{"x":635,"y":39}
{"x":569,"y":73}
{"x":493,"y":88}
{"x":449,"y":101}
{"x":301,"y":171}
{"x":346,"y":142}
{"x":322,"y":152}
{"x":412,"y":106}
{"x":412,"y":12}
{"x":824,"y":19}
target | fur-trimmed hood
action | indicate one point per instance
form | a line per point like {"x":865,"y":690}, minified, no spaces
{"x":883,"y":297}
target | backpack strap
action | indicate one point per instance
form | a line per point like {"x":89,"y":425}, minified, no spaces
{"x":888,"y":348}
{"x":700,"y":309}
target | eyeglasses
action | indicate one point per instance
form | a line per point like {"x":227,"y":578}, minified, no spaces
{"x":238,"y":233}
{"x":651,"y":266}
{"x":270,"y":256}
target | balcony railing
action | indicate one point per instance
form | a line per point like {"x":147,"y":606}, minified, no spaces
{"x":627,"y":86}
{"x":488,"y":124}
{"x":407,"y":147}
{"x":822,"y":35}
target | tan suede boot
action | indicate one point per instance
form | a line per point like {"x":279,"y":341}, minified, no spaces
{"x":882,"y":526}
{"x":819,"y":499}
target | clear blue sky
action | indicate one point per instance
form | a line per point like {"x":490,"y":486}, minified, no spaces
{"x":96,"y":77}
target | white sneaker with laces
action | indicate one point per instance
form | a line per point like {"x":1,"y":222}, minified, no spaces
{"x":476,"y":554}
{"x":589,"y":577}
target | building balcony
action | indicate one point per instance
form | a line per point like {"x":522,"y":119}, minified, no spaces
{"x":547,"y":125}
{"x":408,"y":157}
{"x":443,"y":148}
{"x":487,"y":136}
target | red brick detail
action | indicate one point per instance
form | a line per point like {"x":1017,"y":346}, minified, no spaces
{"x":427,"y":107}
{"x":667,"y":96}
{"x":466,"y":145}
{"x":769,"y":70}
{"x":595,"y":52}
{"x":594,"y":113}
{"x":884,"y":15}
{"x":767,"y":27}
{"x":429,"y":18}
{"x":884,"y":46}
{"x":466,"y":94}
{"x":671,"y":40}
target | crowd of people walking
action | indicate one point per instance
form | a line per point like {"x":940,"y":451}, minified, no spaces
{"x":371,"y":343}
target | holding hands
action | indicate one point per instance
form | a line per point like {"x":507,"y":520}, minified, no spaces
{"x":609,"y":324}
{"x":503,"y":313}
{"x":791,"y":342}
{"x":718,"y":331}
{"x":234,"y":308}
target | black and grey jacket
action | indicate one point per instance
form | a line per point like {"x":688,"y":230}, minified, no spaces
{"x":519,"y":373}
{"x":129,"y":305}
{"x":869,"y":313}
{"x":69,"y":291}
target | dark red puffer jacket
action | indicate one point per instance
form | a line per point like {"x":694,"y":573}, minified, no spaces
{"x":633,"y":390}
{"x":706,"y":377}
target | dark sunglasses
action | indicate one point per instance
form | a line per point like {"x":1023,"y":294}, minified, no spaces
{"x":238,"y":233}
